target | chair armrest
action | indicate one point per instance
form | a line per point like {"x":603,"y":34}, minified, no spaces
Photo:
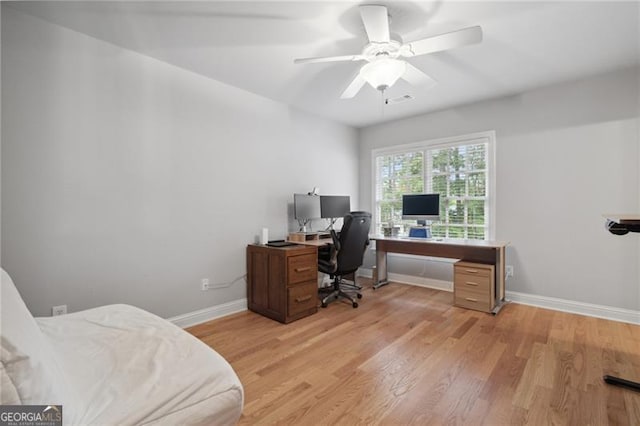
{"x":336,"y":240}
{"x":330,"y":264}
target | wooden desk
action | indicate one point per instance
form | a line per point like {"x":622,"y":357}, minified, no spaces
{"x":480,"y":251}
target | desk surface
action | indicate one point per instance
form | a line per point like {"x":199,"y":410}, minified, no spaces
{"x":436,"y":241}
{"x":444,"y":241}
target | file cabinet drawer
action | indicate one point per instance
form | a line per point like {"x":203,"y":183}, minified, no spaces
{"x":474,"y":286}
{"x":303,"y":298}
{"x":476,"y":269}
{"x":302,"y":268}
{"x":473,"y":301}
{"x":474,"y":282}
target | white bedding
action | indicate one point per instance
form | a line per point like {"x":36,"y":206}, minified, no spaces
{"x":158,"y":375}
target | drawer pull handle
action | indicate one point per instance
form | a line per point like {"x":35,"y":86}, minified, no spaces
{"x":470,"y":299}
{"x":303,"y":299}
{"x":471,"y":271}
{"x":308,"y":268}
{"x":471,"y":283}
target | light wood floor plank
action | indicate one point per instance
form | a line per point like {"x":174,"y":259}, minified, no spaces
{"x":407,"y":356}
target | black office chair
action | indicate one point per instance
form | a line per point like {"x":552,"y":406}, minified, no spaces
{"x":345,"y":256}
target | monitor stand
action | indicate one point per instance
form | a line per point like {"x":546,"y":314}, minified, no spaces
{"x":302,"y":223}
{"x":332,"y":222}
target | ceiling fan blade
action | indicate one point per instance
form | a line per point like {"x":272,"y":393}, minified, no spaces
{"x":328,"y":59}
{"x":416,"y":77}
{"x":354,"y":87}
{"x":376,"y":22}
{"x":442,"y":42}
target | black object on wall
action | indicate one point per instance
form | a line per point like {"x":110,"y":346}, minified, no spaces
{"x":621,"y":228}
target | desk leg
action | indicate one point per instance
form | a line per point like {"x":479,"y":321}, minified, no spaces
{"x":500,"y":285}
{"x":501,"y":269}
{"x":381,"y":266}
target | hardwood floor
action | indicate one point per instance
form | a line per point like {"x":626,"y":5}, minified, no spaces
{"x":407,"y":356}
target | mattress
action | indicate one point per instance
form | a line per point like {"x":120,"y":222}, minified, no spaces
{"x":127,"y":366}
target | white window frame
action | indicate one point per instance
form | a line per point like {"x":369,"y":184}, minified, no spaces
{"x":469,"y":139}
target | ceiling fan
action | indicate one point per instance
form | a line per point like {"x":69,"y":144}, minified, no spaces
{"x":384,"y":55}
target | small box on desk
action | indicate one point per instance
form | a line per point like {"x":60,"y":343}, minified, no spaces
{"x":391,"y":231}
{"x":420,"y":232}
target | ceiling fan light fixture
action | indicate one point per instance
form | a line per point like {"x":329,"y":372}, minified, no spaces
{"x":383,"y":73}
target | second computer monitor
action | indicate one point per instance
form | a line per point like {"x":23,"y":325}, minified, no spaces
{"x":334,"y":206}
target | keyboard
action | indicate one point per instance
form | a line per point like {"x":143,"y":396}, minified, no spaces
{"x":280,"y":243}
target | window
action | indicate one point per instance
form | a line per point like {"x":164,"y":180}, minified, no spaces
{"x":459,"y":169}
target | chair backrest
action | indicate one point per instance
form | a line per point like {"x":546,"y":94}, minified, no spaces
{"x":354,"y":239}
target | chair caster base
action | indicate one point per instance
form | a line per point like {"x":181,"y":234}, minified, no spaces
{"x":335,"y":292}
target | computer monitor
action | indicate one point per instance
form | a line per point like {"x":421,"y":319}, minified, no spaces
{"x":421,"y":207}
{"x":306,"y":207}
{"x":334,"y":206}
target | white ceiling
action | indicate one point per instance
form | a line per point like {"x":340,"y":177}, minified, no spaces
{"x":251,"y":45}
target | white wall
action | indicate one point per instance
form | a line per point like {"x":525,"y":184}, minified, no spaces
{"x":566,"y":154}
{"x":0,"y":128}
{"x":127,"y":180}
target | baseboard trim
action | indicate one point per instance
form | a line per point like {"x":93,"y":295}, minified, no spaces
{"x":553,"y":303}
{"x":563,"y":305}
{"x":570,"y":306}
{"x":207,"y":314}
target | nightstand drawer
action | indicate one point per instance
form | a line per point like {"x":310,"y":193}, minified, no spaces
{"x":302,"y":297}
{"x":473,"y":282}
{"x":302,"y":268}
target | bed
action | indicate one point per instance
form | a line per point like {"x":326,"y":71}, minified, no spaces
{"x":114,"y":364}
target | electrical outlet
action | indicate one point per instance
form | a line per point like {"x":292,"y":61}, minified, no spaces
{"x":59,"y":310}
{"x":205,"y":284}
{"x":509,"y":271}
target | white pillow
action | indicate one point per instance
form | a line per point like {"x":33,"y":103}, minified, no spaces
{"x":27,"y":360}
